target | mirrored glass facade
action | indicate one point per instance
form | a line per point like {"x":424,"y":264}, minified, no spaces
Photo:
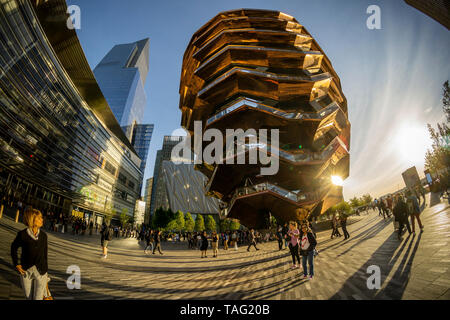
{"x":60,"y":148}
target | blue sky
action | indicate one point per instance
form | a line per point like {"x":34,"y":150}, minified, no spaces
{"x":392,"y":77}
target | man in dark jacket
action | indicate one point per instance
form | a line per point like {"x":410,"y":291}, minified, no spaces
{"x":401,"y":215}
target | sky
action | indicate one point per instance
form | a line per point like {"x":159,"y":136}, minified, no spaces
{"x":392,"y":77}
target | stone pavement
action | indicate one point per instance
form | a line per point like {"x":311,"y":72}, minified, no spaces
{"x":416,"y":268}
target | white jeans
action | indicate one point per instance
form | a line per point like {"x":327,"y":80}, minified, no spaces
{"x":40,"y":283}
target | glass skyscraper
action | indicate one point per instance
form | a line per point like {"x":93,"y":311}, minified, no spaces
{"x":121,"y":76}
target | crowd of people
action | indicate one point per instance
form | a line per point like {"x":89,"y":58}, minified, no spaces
{"x":404,"y":208}
{"x":299,"y":238}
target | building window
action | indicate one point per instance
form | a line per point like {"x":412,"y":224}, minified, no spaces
{"x":110,"y":168}
{"x":122,"y":179}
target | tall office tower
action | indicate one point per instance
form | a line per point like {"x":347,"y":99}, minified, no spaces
{"x":161,"y":155}
{"x":258,"y":69}
{"x":147,"y":199}
{"x":439,"y":10}
{"x":121,"y":76}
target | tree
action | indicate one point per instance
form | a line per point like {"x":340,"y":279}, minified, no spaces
{"x":437,"y":160}
{"x":366,"y":199}
{"x":354,"y":202}
{"x":224,"y":225}
{"x":188,"y":222}
{"x":210,"y":223}
{"x":161,"y":218}
{"x":199,"y":223}
{"x":234,"y":225}
{"x":179,"y":218}
{"x":273,"y":222}
{"x":124,"y":219}
{"x":343,"y":208}
{"x":446,"y":100}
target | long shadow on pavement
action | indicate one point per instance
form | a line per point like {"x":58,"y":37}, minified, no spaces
{"x":382,"y":257}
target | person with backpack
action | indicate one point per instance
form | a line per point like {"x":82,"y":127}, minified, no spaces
{"x":344,"y":226}
{"x":307,"y":248}
{"x":106,"y":236}
{"x":414,"y":211}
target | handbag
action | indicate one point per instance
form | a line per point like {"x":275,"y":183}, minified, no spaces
{"x":316,"y":253}
{"x":48,"y":295}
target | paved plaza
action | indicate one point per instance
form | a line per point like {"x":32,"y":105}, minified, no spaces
{"x":416,"y":268}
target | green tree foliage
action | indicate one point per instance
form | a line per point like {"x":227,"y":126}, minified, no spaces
{"x":437,"y":160}
{"x":273,"y":222}
{"x":366,"y":199}
{"x":210,"y":224}
{"x":124,"y":219}
{"x":224,"y":225}
{"x":199,"y":223}
{"x":355,"y":202}
{"x":234,"y":225}
{"x":162,"y":217}
{"x":179,"y":221}
{"x":188,"y":222}
{"x":343,"y":208}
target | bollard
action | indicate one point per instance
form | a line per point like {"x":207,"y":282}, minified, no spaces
{"x":17,"y":215}
{"x":1,"y":211}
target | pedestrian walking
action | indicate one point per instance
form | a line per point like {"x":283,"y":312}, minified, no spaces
{"x":280,"y":237}
{"x":294,"y":235}
{"x":33,"y":265}
{"x":285,"y":237}
{"x":344,"y":226}
{"x":149,"y":241}
{"x":225,"y":240}
{"x":157,"y":241}
{"x":203,"y":244}
{"x":234,"y":240}
{"x":334,"y":226}
{"x":252,"y":240}
{"x":215,"y":244}
{"x":307,"y":248}
{"x":401,"y":215}
{"x":106,"y":237}
{"x":414,"y":211}
{"x":91,"y":227}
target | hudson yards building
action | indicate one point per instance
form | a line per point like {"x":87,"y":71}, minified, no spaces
{"x":61,"y":148}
